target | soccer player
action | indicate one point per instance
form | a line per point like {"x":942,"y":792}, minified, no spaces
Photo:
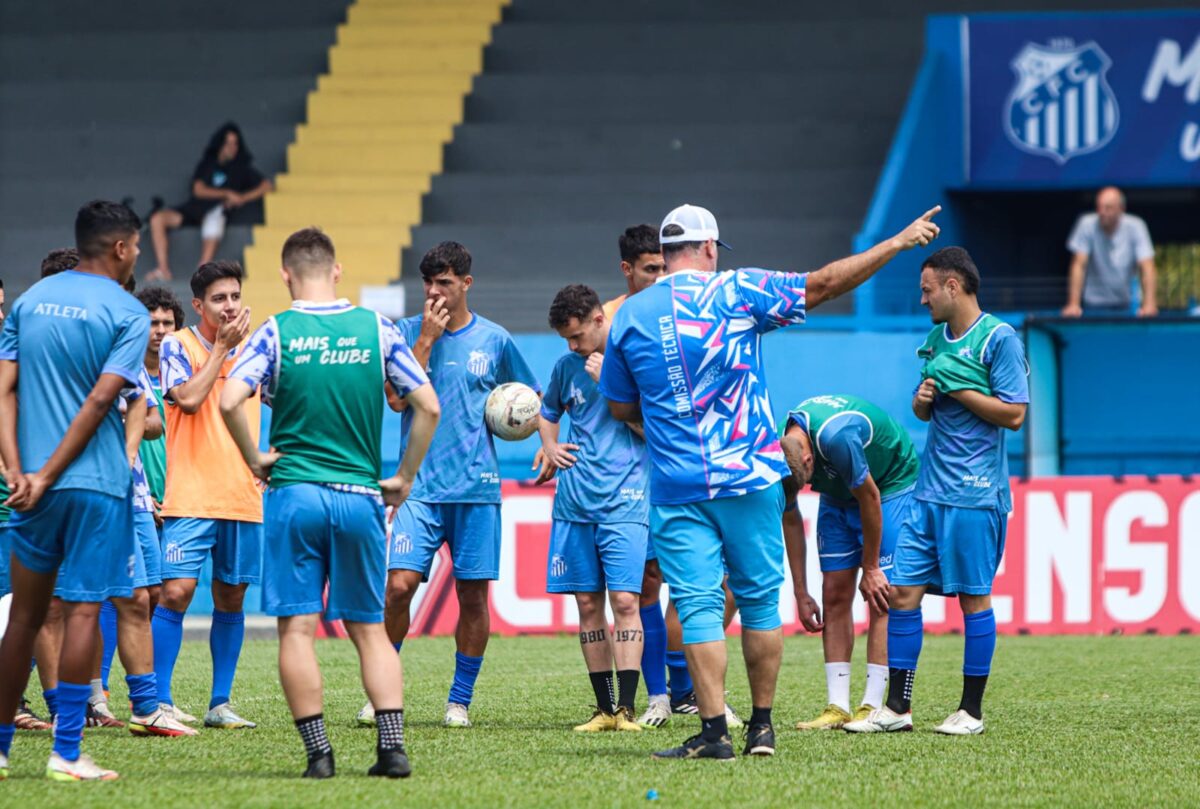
{"x":166,"y":317}
{"x":684,"y":357}
{"x":863,"y":464}
{"x":322,"y":366}
{"x":456,"y":497}
{"x":973,"y":388}
{"x":600,"y":524}
{"x":213,"y":503}
{"x":76,"y":341}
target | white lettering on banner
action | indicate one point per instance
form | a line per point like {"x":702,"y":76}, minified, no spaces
{"x":1189,"y":555}
{"x":531,"y":613}
{"x":1063,"y":551}
{"x":1169,"y":67}
{"x":1148,"y":559}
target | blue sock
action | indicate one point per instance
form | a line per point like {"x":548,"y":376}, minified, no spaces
{"x":143,"y":693}
{"x":681,"y":679}
{"x":72,"y":708}
{"x":466,"y":669}
{"x":6,"y":737}
{"x":108,"y":635}
{"x":906,"y":631}
{"x":654,"y":649}
{"x":980,"y":631}
{"x":225,"y":643}
{"x":397,"y":646}
{"x":167,"y":629}
{"x":51,"y":698}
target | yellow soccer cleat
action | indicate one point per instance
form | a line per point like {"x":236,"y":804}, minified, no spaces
{"x":600,"y":721}
{"x":832,"y":718}
{"x":863,"y":711}
{"x":623,"y":720}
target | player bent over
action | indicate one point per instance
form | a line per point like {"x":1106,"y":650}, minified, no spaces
{"x":601,"y":515}
{"x":863,"y":464}
{"x":974,"y":388}
{"x":75,"y":340}
{"x":322,"y":365}
{"x":456,"y":496}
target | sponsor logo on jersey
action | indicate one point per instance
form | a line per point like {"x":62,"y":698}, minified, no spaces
{"x":1062,"y":105}
{"x":478,"y":363}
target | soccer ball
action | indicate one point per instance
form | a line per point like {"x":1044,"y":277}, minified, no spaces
{"x":512,"y":411}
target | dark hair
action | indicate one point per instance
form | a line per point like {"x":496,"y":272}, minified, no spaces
{"x":307,"y":249}
{"x":208,"y":274}
{"x":64,"y":258}
{"x":99,"y":223}
{"x":130,"y":284}
{"x":157,"y":297}
{"x":673,"y":248}
{"x":574,"y":301}
{"x":218,"y":140}
{"x":958,"y":261}
{"x":637,"y":240}
{"x":446,"y":257}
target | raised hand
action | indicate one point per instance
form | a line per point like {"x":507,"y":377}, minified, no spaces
{"x":594,"y":364}
{"x":921,"y":232}
{"x":231,"y":334}
{"x":433,"y":325}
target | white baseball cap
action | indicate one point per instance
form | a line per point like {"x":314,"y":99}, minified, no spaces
{"x":699,"y":225}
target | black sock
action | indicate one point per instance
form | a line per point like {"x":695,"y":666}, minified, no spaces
{"x":602,"y":684}
{"x":900,"y":685}
{"x":760,"y":716}
{"x":627,"y":686}
{"x":390,"y":725}
{"x":972,"y":698}
{"x":312,"y":731}
{"x":711,"y":730}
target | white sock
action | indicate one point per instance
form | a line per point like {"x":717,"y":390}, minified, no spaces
{"x":877,"y":678}
{"x":663,"y":698}
{"x":837,"y":682}
{"x":97,"y":692}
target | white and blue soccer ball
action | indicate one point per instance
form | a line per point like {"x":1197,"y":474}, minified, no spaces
{"x":512,"y":411}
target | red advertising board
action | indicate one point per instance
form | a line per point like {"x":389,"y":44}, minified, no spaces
{"x":1083,"y":555}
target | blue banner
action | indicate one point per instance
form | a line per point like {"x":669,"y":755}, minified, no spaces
{"x":1068,"y":101}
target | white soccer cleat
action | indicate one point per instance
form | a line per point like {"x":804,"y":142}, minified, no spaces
{"x":960,"y":723}
{"x":177,"y":713}
{"x":881,"y":720}
{"x":159,"y":723}
{"x":732,"y":720}
{"x":658,"y":712}
{"x":82,"y":769}
{"x":366,"y":717}
{"x":224,"y":717}
{"x":456,"y":716}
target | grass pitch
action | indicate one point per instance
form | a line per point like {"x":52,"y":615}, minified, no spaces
{"x":1075,"y":721}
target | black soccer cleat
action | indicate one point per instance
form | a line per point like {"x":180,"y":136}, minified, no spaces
{"x":320,"y":766}
{"x":760,"y":740}
{"x":391,"y":764}
{"x":686,"y":705}
{"x":697,"y":747}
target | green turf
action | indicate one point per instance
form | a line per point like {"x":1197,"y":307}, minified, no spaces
{"x":1072,"y":721}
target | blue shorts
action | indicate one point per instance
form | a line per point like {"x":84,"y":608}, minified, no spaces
{"x":315,"y":535}
{"x":692,"y":540}
{"x":147,"y":567}
{"x":950,"y":549}
{"x":472,"y":530}
{"x":590,"y":557}
{"x":86,"y":536}
{"x":840,"y":537}
{"x":236,"y":549}
{"x":5,"y":551}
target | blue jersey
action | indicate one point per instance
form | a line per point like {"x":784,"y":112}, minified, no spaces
{"x":464,"y":367}
{"x":690,"y":349}
{"x":143,"y":501}
{"x":608,"y":481}
{"x":965,"y":462}
{"x":64,"y":333}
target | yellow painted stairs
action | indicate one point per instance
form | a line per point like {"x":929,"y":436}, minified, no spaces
{"x":377,"y":124}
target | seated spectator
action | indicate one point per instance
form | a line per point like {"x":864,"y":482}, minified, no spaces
{"x":1106,"y":247}
{"x":225,"y":179}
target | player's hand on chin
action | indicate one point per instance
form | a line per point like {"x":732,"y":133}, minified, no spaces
{"x":433,"y":325}
{"x":395,"y":490}
{"x":262,"y":467}
{"x":594,"y":364}
{"x":231,"y":334}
